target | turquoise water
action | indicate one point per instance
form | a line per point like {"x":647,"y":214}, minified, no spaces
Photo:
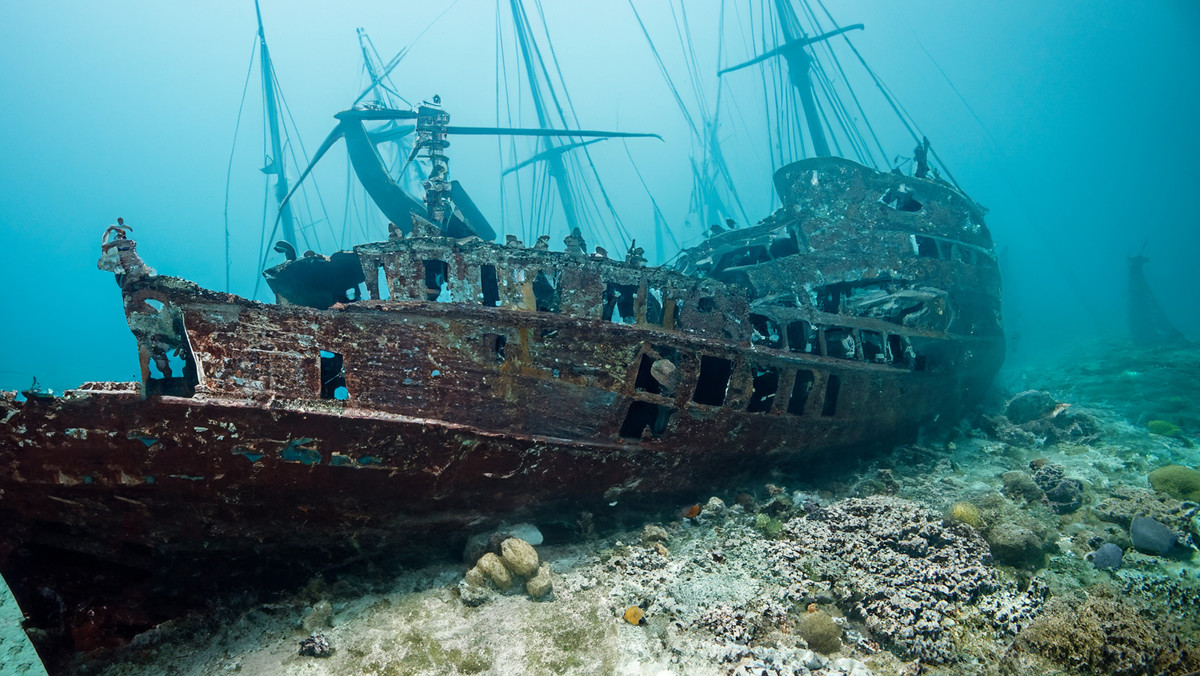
{"x":1072,"y":122}
{"x":1082,"y":149}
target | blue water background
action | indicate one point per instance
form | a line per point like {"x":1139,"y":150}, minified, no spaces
{"x":1084,"y":149}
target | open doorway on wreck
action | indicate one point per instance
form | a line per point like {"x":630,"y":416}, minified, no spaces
{"x":489,"y":285}
{"x":437,"y":280}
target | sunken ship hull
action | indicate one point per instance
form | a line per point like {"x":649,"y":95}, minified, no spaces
{"x":480,"y":381}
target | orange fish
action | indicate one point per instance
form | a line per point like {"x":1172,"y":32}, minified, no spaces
{"x":692,"y":512}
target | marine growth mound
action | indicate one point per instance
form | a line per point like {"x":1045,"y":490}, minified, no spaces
{"x":896,"y":566}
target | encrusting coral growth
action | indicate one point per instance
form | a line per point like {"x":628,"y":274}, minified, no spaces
{"x":1107,"y":634}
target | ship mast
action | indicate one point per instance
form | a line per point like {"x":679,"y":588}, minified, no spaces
{"x":554,"y":160}
{"x":794,"y":50}
{"x":276,"y":163}
{"x":799,"y":73}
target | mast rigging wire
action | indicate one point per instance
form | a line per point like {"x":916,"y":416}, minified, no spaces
{"x":233,"y":147}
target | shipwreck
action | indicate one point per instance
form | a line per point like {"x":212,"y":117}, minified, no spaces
{"x":438,"y":380}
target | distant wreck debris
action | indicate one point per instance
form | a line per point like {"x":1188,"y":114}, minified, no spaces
{"x":1148,"y":324}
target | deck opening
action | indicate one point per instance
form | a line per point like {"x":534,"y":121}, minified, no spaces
{"x":643,"y":415}
{"x":765,"y":332}
{"x":713,"y":381}
{"x":619,"y":302}
{"x":872,"y":347}
{"x":800,"y":391}
{"x":832,"y":388}
{"x":489,"y":285}
{"x":493,"y":345}
{"x":437,"y":275}
{"x":333,"y":376}
{"x":839,"y":343}
{"x":545,"y":293}
{"x":706,"y":305}
{"x":800,"y":337}
{"x":384,"y":291}
{"x":766,"y":384}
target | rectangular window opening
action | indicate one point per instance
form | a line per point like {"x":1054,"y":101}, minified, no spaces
{"x":437,"y":278}
{"x":840,"y":343}
{"x":385,"y":292}
{"x":899,"y":349}
{"x":832,"y":387}
{"x":333,"y":376}
{"x":765,"y":332}
{"x":489,"y":286}
{"x":619,"y":303}
{"x":658,"y":371}
{"x":766,"y":384}
{"x":829,"y":298}
{"x":800,"y":337}
{"x":545,"y":293}
{"x":643,"y":415}
{"x":645,"y":380}
{"x":920,"y":351}
{"x":713,"y":381}
{"x":872,"y":347}
{"x":926,"y":246}
{"x":654,"y":307}
{"x":800,"y":391}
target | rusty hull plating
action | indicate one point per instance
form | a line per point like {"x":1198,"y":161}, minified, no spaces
{"x":478,"y":380}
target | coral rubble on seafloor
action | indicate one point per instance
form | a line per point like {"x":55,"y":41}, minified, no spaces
{"x":1055,"y":534}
